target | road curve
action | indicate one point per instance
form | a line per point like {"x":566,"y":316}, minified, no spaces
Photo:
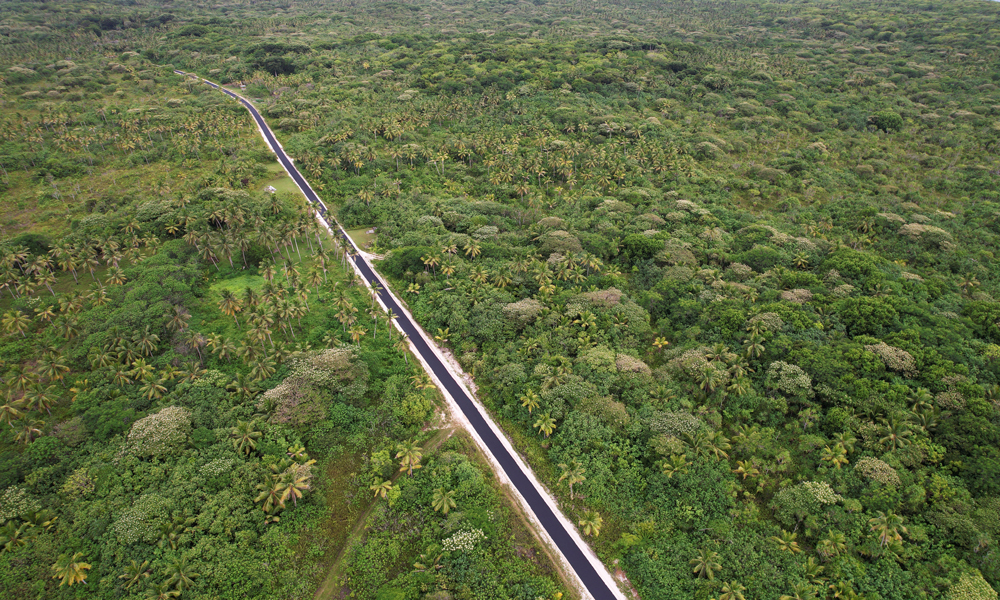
{"x":599,"y":585}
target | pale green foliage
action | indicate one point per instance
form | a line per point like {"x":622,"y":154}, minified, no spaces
{"x":486,"y":232}
{"x":769,"y":320}
{"x":795,"y":503}
{"x":160,"y":433}
{"x":559,"y":241}
{"x":971,"y":586}
{"x":15,"y":502}
{"x":877,"y":470}
{"x":303,"y":397}
{"x":895,"y":359}
{"x":599,"y":358}
{"x":789,"y":380}
{"x":523,"y":312}
{"x":216,"y":467}
{"x":630,"y":364}
{"x":675,"y":423}
{"x":142,"y":520}
{"x":78,"y":485}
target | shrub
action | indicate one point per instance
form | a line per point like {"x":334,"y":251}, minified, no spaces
{"x":971,"y":586}
{"x":878,"y":471}
{"x":160,"y":433}
{"x":141,"y":520}
{"x":559,"y":241}
{"x":15,"y":502}
{"x":523,"y":312}
{"x":795,"y":503}
{"x":790,"y":380}
{"x":895,"y":359}
{"x":886,"y":120}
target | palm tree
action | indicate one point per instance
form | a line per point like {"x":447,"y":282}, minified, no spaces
{"x":270,"y":494}
{"x":134,"y":573}
{"x":116,"y":276}
{"x":746,"y":468}
{"x":22,"y":380}
{"x":897,"y":433}
{"x":11,"y":411}
{"x":120,"y":376}
{"x":677,"y":463}
{"x":38,"y":398}
{"x":800,"y":591}
{"x":12,"y":537}
{"x":967,"y":284}
{"x":814,"y":572}
{"x":705,"y":565}
{"x":443,"y":501}
{"x":472,"y":249}
{"x":717,"y":444}
{"x":887,"y":526}
{"x":153,"y":390}
{"x":46,"y":313}
{"x":545,"y":424}
{"x":242,"y":386}
{"x":381,"y":489}
{"x":573,"y":474}
{"x":177,"y":318}
{"x":530,"y":400}
{"x":732,"y":590}
{"x":295,"y":481}
{"x":180,"y":575}
{"x":230,"y":305}
{"x":51,"y":367}
{"x":422,"y":381}
{"x":409,"y":454}
{"x":147,"y":341}
{"x":356,"y":333}
{"x":591,"y":523}
{"x":262,"y":368}
{"x":15,"y":320}
{"x":245,"y":436}
{"x":141,"y":370}
{"x":842,"y":590}
{"x":192,"y":371}
{"x":710,"y":380}
{"x":836,"y":456}
{"x":834,"y":544}
{"x":71,"y":570}
{"x":786,"y":542}
{"x":392,"y":317}
{"x":753,"y":347}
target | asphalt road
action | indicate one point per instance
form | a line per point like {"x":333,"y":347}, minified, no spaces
{"x":557,"y":532}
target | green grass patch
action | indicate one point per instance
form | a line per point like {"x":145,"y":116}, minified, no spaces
{"x":238,"y":284}
{"x":282,"y":183}
{"x":361,"y":236}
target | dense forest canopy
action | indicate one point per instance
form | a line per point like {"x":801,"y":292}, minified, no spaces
{"x":724,"y":272}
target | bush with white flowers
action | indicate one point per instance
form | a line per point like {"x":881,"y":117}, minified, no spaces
{"x":464,"y":541}
{"x":142,"y":520}
{"x":160,"y":433}
{"x":14,"y":502}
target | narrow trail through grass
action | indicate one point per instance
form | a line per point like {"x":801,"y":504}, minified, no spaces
{"x":332,"y":588}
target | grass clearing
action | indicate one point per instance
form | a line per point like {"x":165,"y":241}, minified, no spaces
{"x":238,"y":284}
{"x":361,"y":236}
{"x":282,"y":183}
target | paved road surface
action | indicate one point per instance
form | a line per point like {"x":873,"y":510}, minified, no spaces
{"x":595,"y":584}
